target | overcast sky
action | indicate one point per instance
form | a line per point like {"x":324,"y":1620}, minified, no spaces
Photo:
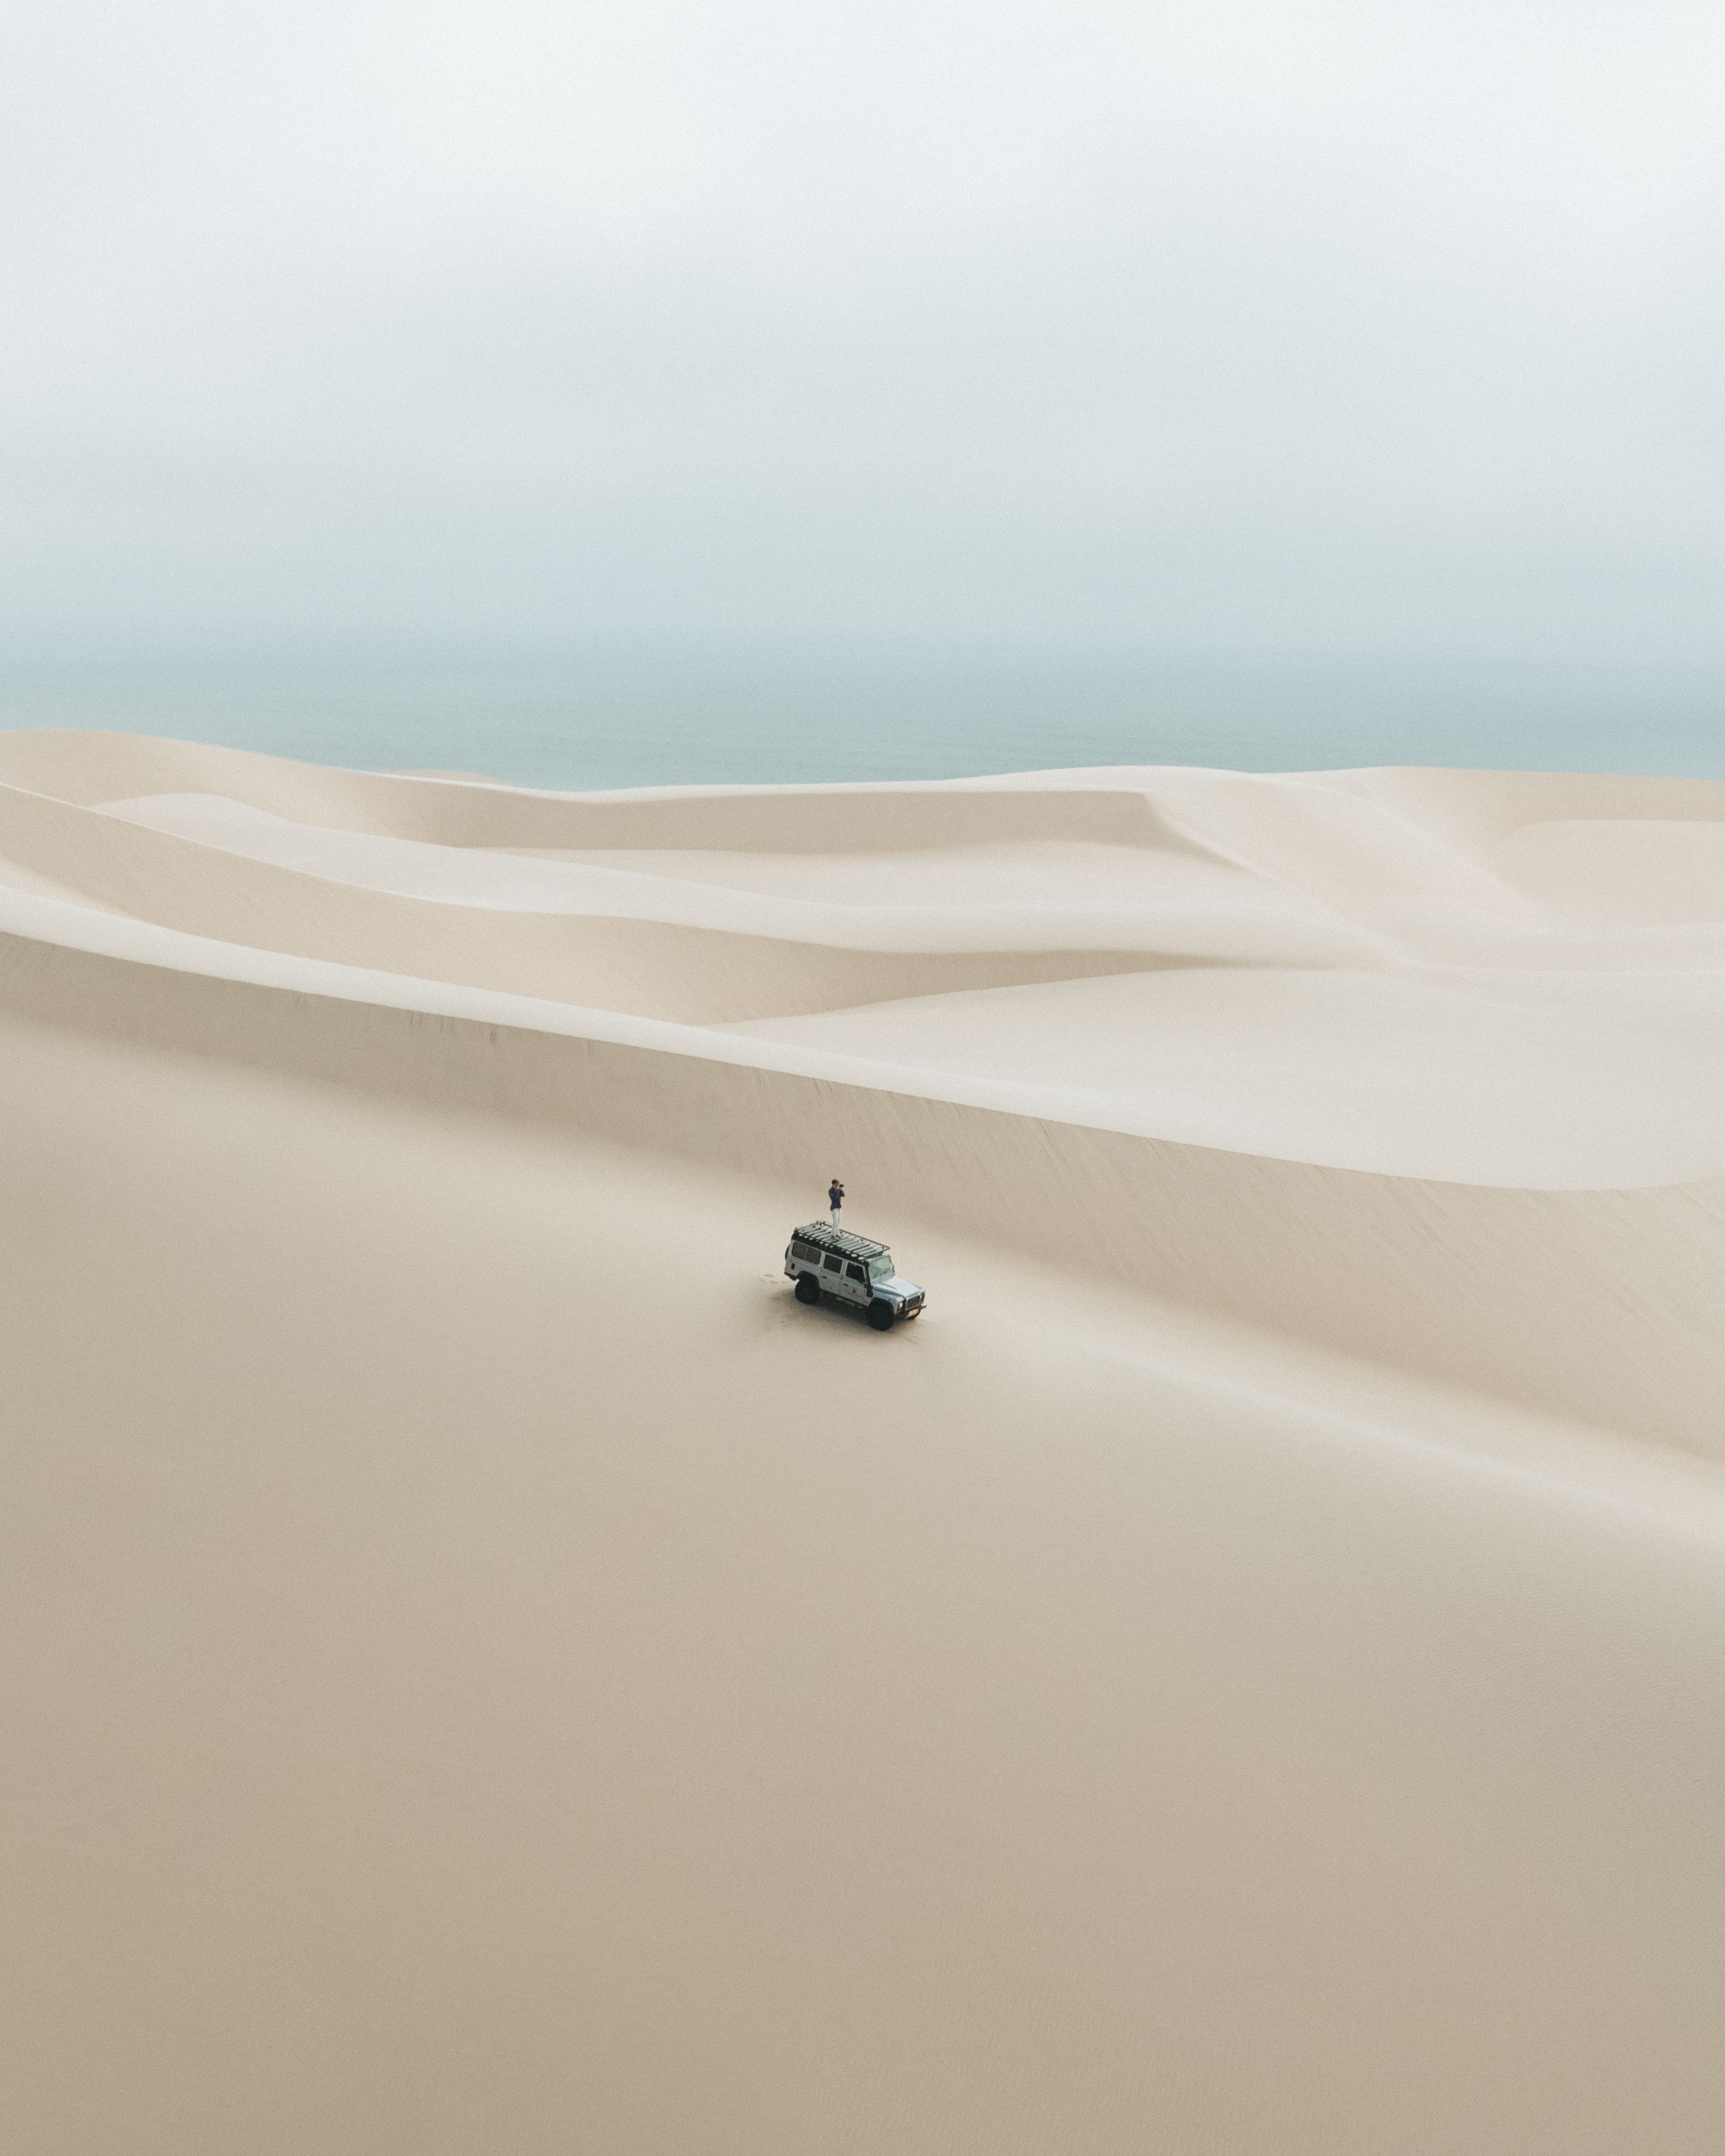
{"x":1318,"y":325}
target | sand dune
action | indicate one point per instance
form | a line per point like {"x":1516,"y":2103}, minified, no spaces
{"x":487,"y":1669}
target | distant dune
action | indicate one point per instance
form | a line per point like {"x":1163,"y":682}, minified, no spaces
{"x":487,"y":1671}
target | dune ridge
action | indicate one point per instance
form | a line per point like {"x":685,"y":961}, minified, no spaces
{"x":1625,"y":1280}
{"x":1130,"y":1707}
{"x":1601,"y":1282}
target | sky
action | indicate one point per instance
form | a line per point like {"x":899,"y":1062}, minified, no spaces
{"x":1319,"y":325}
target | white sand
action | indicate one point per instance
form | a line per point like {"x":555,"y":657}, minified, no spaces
{"x":485,"y":1670}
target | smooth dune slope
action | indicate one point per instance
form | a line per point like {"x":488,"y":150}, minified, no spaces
{"x":486,"y":1670}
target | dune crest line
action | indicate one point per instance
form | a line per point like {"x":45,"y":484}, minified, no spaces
{"x":961,"y":1086}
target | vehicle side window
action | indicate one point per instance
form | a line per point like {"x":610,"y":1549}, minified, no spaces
{"x":806,"y":1250}
{"x":855,"y":1273}
{"x":832,"y":1264}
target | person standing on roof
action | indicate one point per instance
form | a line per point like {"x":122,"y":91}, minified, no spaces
{"x":835,"y":1198}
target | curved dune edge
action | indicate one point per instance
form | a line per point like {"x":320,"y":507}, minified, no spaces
{"x":1595,"y":1307}
{"x":1482,"y":978}
{"x":1573,"y":1273}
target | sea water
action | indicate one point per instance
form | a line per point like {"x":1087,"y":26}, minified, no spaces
{"x":681,"y":712}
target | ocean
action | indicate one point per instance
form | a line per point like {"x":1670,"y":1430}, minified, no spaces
{"x":679,"y":712}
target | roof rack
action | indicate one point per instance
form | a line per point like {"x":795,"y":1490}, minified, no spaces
{"x":840,"y":1240}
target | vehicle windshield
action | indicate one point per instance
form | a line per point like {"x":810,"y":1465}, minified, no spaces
{"x":880,"y":1268}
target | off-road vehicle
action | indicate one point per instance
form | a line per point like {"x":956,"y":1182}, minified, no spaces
{"x":824,"y":1260}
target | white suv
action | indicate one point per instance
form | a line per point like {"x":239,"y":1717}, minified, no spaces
{"x":853,"y":1269}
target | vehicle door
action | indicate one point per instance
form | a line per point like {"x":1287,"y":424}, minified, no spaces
{"x":856,"y":1288}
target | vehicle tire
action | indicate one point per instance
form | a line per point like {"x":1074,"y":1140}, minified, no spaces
{"x":808,"y":1288}
{"x":881,"y":1317}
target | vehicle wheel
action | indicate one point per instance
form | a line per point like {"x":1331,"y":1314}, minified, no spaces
{"x":808,"y":1288}
{"x":881,"y":1317}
